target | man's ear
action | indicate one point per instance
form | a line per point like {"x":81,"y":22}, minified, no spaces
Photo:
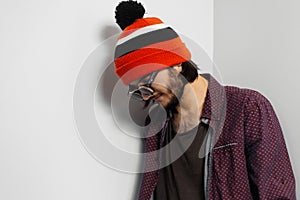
{"x":178,"y":68}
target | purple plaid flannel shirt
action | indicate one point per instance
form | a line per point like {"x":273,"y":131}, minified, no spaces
{"x":247,"y":157}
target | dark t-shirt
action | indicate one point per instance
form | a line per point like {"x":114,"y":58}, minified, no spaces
{"x":183,"y":179}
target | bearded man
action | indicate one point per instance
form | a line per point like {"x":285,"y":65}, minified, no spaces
{"x":218,"y":142}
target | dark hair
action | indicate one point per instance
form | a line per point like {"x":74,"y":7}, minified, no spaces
{"x":189,"y":70}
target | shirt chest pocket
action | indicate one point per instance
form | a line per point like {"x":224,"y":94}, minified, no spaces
{"x":229,"y":162}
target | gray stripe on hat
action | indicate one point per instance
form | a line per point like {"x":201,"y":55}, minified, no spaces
{"x":145,"y":40}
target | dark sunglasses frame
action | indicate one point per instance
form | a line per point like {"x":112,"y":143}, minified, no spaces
{"x":143,"y":92}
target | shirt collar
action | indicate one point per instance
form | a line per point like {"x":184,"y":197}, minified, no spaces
{"x":215,"y":102}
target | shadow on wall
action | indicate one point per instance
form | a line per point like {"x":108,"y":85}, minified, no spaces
{"x":109,"y":81}
{"x":109,"y":31}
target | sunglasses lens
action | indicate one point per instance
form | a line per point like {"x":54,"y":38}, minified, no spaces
{"x":146,"y":91}
{"x":142,"y":94}
{"x":137,"y":96}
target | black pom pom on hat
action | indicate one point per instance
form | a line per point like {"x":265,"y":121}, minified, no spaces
{"x":127,"y":12}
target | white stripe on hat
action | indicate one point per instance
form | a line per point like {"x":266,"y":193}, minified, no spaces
{"x":140,"y":31}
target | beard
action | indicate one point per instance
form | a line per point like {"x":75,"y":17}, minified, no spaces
{"x":178,"y":83}
{"x":174,"y":102}
{"x":172,"y":105}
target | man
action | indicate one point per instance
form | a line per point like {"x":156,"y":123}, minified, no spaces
{"x":217,"y":142}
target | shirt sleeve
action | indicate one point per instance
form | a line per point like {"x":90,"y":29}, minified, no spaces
{"x":269,"y":168}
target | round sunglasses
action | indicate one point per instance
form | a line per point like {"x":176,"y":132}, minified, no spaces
{"x":143,"y":92}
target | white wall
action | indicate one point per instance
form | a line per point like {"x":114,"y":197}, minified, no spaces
{"x":257,"y":46}
{"x":43,"y":46}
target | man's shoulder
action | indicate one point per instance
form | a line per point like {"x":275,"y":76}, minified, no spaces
{"x":244,"y":94}
{"x":245,"y":97}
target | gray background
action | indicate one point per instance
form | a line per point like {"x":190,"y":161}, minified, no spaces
{"x":257,"y":45}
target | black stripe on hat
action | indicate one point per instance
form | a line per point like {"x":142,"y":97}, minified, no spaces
{"x":145,"y":40}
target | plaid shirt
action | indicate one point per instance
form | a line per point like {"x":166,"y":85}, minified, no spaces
{"x":246,"y":155}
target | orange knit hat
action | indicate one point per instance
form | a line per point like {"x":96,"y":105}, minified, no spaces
{"x":145,"y":46}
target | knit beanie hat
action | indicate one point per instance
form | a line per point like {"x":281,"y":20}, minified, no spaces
{"x":145,"y":44}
